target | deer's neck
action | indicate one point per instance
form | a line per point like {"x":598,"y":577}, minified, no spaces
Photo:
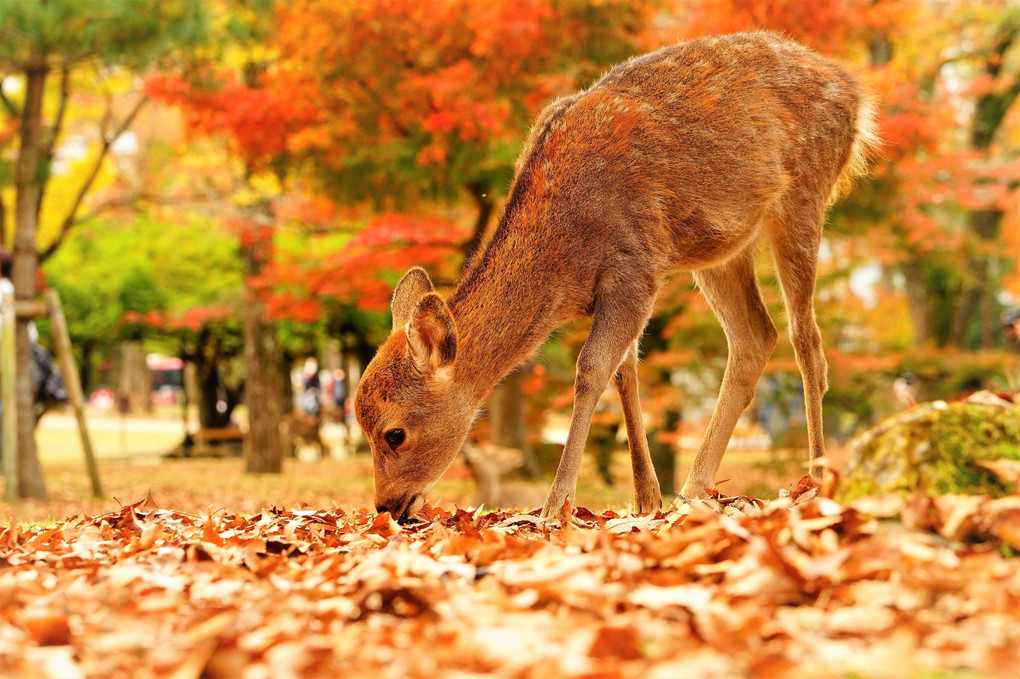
{"x":505,"y":306}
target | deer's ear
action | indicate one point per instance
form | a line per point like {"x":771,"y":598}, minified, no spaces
{"x":409,"y":290}
{"x":431,"y":334}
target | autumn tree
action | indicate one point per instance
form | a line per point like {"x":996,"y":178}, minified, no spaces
{"x":947,"y":177}
{"x":47,"y":50}
{"x":177,"y":290}
{"x":991,"y":60}
{"x":946,"y":76}
{"x":239,"y":93}
{"x":431,"y":100}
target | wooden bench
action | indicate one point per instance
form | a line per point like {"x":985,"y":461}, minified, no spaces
{"x":218,"y":435}
{"x":211,"y":442}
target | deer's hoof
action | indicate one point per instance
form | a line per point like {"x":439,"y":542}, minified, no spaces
{"x":554,"y":504}
{"x":648,"y":503}
{"x":691,"y":503}
{"x":693,"y":491}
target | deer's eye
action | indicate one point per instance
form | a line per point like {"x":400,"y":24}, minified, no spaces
{"x":394,"y":437}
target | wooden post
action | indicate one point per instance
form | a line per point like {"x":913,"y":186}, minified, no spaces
{"x":66,"y":360}
{"x":8,"y":398}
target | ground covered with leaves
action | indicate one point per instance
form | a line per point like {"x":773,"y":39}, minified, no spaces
{"x":801,"y":586}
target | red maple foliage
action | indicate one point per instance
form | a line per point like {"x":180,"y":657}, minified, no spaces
{"x":360,"y":274}
{"x":260,"y":119}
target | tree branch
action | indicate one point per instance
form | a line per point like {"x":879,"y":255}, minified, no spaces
{"x":46,"y":157}
{"x":58,"y":120}
{"x":107,"y":141}
{"x":990,"y":110}
{"x":8,"y":104}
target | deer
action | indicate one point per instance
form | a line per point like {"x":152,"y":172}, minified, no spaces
{"x":487,"y":464}
{"x":679,"y":159}
{"x":299,"y":429}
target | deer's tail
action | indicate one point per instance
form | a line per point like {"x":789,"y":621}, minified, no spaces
{"x":865,"y":146}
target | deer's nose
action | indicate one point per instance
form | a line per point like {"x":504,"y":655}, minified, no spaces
{"x":397,"y":508}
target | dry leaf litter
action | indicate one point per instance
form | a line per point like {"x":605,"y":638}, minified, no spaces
{"x":730,"y":587}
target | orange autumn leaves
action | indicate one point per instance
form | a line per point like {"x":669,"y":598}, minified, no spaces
{"x":297,"y":285}
{"x":348,"y":76}
{"x":388,"y":104}
{"x":879,"y":588}
{"x":398,"y":105}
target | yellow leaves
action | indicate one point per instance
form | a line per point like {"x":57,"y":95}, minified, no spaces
{"x":74,"y":160}
{"x":256,"y":190}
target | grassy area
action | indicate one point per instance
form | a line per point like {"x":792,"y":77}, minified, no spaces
{"x":63,"y":446}
{"x":113,"y":437}
{"x":208,"y":485}
{"x":131,"y":467}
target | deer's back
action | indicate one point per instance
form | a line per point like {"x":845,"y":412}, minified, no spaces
{"x":670,"y":161}
{"x":679,"y":153}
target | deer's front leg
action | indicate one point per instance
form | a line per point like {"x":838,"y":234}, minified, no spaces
{"x":647,"y":496}
{"x":588,"y":386}
{"x":619,"y":319}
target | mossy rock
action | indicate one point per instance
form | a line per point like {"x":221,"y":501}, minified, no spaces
{"x":935,"y":446}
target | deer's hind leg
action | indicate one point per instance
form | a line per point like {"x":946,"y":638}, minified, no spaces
{"x":796,"y":236}
{"x":732,"y":291}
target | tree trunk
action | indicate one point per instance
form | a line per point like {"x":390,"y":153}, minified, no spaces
{"x":134,"y":381}
{"x":30,"y":176}
{"x":506,"y":406}
{"x":483,"y":200}
{"x":263,"y":446}
{"x":285,"y":361}
{"x":204,"y":384}
{"x":85,"y":367}
{"x":506,"y":417}
{"x":989,"y":113}
{"x":210,"y":390}
{"x":975,"y":298}
{"x":918,"y":303}
{"x":3,"y":223}
{"x":664,"y":454}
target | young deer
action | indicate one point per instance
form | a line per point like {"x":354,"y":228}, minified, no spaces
{"x":678,"y":159}
{"x":488,"y":464}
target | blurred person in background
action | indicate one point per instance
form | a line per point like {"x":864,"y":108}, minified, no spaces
{"x":1011,"y":329}
{"x":311,"y":397}
{"x":48,"y":387}
{"x":339,"y":389}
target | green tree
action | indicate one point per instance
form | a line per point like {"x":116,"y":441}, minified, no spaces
{"x":234,"y":94}
{"x":66,"y":38}
{"x":114,"y":271}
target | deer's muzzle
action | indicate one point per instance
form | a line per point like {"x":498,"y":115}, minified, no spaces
{"x":398,"y":507}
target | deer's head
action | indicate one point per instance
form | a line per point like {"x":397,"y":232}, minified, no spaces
{"x":407,"y":402}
